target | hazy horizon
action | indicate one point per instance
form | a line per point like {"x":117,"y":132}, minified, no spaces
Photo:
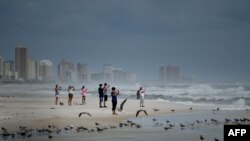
{"x":209,"y":38}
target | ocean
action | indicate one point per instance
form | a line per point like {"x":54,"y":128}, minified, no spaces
{"x":225,"y":96}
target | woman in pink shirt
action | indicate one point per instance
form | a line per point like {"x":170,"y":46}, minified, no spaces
{"x":84,"y":93}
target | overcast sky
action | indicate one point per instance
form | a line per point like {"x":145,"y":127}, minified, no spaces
{"x":208,"y":38}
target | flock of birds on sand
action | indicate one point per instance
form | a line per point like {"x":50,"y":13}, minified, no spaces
{"x":52,"y":130}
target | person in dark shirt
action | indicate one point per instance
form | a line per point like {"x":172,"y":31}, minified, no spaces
{"x":101,"y":95}
{"x":114,"y":94}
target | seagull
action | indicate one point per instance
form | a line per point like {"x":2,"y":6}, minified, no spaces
{"x":215,"y":139}
{"x":201,"y":137}
{"x":156,"y":110}
{"x":84,"y":113}
{"x":137,"y":113}
{"x":182,"y":125}
{"x":97,"y":123}
{"x":121,"y":106}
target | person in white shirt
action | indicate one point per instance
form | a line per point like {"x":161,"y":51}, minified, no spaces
{"x":71,"y":90}
{"x":142,"y":94}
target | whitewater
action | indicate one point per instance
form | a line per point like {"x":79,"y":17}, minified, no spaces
{"x":226,"y":96}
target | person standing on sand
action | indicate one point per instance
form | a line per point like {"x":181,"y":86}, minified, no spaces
{"x":142,"y":94}
{"x":105,"y":92}
{"x":84,"y":93}
{"x":57,"y":89}
{"x":101,"y":95}
{"x":114,"y":94}
{"x":71,"y":90}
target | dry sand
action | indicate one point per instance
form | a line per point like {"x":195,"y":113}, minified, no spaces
{"x":38,"y":110}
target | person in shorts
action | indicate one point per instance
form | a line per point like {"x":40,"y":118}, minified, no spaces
{"x":71,"y":90}
{"x":105,"y":92}
{"x":114,"y":94}
{"x":57,"y":89}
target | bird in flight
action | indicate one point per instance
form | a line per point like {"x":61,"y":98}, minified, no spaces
{"x":84,"y":113}
{"x":137,"y":113}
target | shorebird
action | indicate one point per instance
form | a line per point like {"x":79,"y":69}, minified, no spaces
{"x":215,"y":139}
{"x":137,"y":113}
{"x":182,"y":125}
{"x":201,"y":137}
{"x":50,"y":136}
{"x":172,"y":110}
{"x":156,"y":110}
{"x":190,"y":108}
{"x":99,"y":129}
{"x":121,"y":105}
{"x":167,"y":128}
{"x":97,"y":123}
{"x":84,"y":113}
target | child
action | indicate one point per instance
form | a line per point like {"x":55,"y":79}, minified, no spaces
{"x":114,"y":94}
{"x":84,"y":93}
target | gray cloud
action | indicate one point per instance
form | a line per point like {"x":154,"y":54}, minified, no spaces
{"x":209,"y":38}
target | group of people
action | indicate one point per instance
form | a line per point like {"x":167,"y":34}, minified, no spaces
{"x":103,"y":95}
{"x":71,"y":90}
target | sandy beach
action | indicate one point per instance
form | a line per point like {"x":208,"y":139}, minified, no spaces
{"x":36,"y":110}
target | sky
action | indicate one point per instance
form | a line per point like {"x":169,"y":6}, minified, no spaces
{"x":207,"y":38}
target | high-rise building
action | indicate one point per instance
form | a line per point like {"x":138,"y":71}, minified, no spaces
{"x":173,"y":73}
{"x":169,"y":74}
{"x":108,"y":72}
{"x":130,"y":77}
{"x":162,"y":73}
{"x":45,"y":70}
{"x":8,"y":70}
{"x":33,"y":70}
{"x":66,"y":71}
{"x":21,"y":62}
{"x":119,"y":76}
{"x":1,"y":67}
{"x":84,"y":73}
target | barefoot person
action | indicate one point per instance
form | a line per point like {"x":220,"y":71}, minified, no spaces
{"x":57,"y":89}
{"x":114,"y":94}
{"x":84,"y":93}
{"x":71,"y":90}
{"x":105,"y":92}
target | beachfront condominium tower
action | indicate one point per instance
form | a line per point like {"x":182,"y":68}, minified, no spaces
{"x":8,"y":70}
{"x":169,"y":74}
{"x":84,"y":73}
{"x":66,"y":71}
{"x":21,"y":62}
{"x":108,"y":72}
{"x":1,"y":67}
{"x":46,"y":70}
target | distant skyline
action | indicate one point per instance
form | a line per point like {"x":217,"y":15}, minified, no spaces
{"x":207,"y":38}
